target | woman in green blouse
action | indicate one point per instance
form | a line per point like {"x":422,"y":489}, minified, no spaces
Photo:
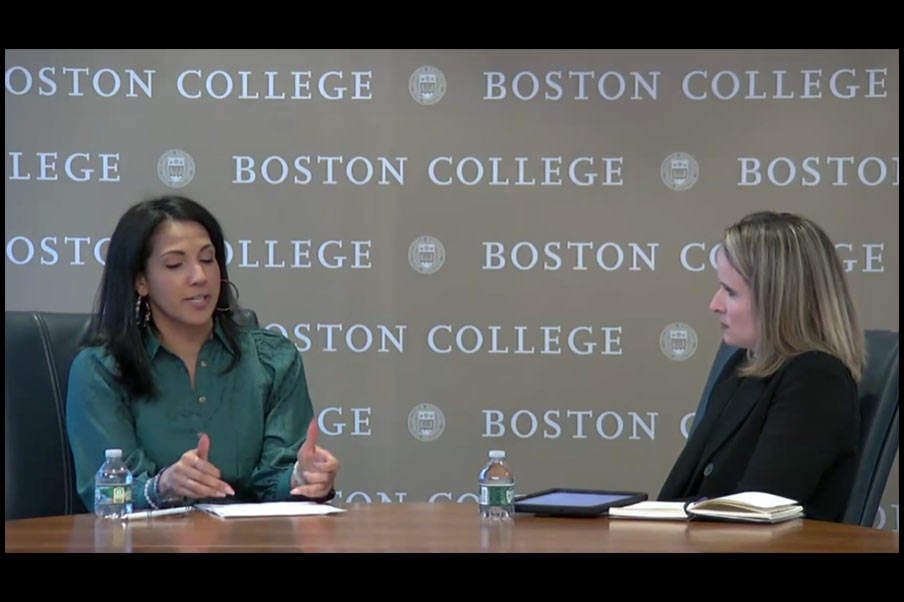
{"x":200,"y":406}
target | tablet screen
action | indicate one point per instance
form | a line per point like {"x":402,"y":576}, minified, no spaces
{"x":574,"y":499}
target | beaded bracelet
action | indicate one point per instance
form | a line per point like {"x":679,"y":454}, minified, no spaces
{"x":147,"y":486}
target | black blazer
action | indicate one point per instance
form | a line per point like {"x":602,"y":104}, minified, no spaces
{"x":794,"y":434}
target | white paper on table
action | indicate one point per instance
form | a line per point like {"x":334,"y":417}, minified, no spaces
{"x":268,"y":509}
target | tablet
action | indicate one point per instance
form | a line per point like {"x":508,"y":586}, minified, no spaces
{"x":576,"y":502}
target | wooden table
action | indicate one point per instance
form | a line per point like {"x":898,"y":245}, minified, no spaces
{"x":426,"y":527}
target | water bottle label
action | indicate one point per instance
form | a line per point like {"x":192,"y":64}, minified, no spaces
{"x":498,"y":495}
{"x":116,"y":495}
{"x":120,"y":496}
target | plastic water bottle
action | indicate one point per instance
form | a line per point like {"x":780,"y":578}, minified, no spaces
{"x":113,"y":487}
{"x":497,"y":488}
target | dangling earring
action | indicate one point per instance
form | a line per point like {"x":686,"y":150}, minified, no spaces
{"x":235,"y":303}
{"x":142,"y":311}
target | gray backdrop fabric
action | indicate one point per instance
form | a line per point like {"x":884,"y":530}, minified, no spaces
{"x":473,"y":250}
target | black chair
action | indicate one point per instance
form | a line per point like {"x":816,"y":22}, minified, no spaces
{"x":878,"y":427}
{"x":878,"y":391}
{"x":40,"y":347}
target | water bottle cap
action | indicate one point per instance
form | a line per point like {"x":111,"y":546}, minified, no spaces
{"x":113,"y":453}
{"x":497,"y":454}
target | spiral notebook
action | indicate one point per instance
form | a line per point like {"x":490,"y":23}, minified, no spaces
{"x":749,"y":506}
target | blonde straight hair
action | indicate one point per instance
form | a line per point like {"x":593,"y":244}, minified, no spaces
{"x":800,"y":294}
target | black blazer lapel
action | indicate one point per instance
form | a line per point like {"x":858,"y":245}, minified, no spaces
{"x":721,"y":393}
{"x":742,"y":401}
{"x":685,"y":466}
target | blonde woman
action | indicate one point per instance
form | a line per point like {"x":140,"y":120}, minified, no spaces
{"x":783,"y":415}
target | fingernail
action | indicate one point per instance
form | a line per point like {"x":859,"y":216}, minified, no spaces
{"x":230,"y":491}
